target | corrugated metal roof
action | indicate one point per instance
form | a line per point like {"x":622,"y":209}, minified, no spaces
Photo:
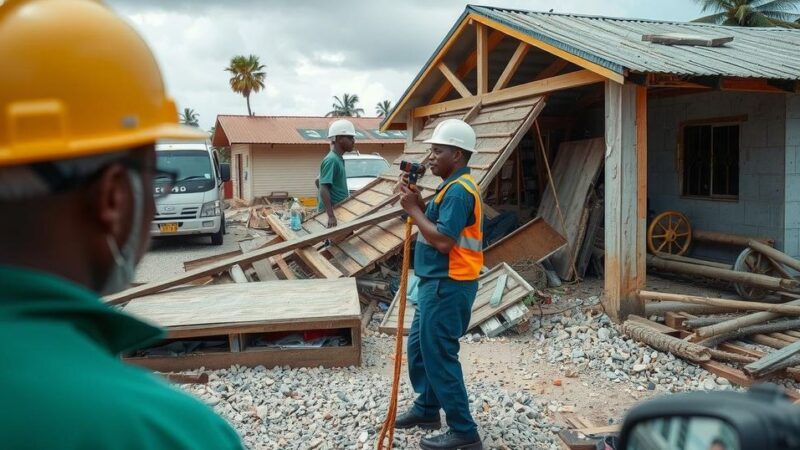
{"x":296,"y":130}
{"x":617,"y":44}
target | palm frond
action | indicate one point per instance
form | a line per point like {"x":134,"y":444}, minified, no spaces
{"x":713,"y":18}
{"x":786,"y":6}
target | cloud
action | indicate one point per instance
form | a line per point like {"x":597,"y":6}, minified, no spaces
{"x":314,"y":49}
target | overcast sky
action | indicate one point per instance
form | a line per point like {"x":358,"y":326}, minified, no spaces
{"x":315,"y":49}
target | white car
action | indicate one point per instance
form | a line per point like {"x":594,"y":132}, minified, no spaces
{"x":362,"y":169}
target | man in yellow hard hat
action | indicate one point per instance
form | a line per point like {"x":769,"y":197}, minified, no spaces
{"x":82,"y":104}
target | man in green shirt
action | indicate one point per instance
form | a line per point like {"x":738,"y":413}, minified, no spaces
{"x":77,"y":175}
{"x":332,"y":179}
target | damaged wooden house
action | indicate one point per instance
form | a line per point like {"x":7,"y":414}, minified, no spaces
{"x":573,"y":115}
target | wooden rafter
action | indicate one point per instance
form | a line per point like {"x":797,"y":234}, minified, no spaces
{"x":483,"y":57}
{"x":522,"y":36}
{"x":512,"y":66}
{"x":453,"y":79}
{"x":467,"y":66}
{"x":553,"y":69}
{"x":557,"y":83}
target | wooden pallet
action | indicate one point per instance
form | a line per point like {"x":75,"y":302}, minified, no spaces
{"x":241,"y":313}
{"x":516,"y":289}
{"x":510,"y":318}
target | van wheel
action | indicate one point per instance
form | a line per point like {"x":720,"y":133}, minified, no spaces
{"x":217,"y":238}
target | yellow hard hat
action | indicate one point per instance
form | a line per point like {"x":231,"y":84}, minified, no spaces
{"x":77,"y":80}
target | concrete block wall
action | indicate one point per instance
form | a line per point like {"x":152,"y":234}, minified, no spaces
{"x":759,"y":210}
{"x":792,"y":180}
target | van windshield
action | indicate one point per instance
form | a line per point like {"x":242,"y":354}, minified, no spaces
{"x":193,"y":167}
{"x":364,"y":168}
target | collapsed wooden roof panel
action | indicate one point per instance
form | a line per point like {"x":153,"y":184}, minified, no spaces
{"x":499,"y":129}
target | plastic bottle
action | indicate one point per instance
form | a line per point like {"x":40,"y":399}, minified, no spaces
{"x":296,"y":214}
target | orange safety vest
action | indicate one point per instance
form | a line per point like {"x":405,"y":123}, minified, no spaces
{"x":466,"y":257}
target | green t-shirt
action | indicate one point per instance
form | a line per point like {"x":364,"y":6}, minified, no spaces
{"x":332,"y":172}
{"x":64,"y":386}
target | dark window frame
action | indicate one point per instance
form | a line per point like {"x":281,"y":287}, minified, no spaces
{"x":681,"y":157}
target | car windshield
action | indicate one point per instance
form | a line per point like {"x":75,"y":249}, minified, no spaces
{"x":188,"y":164}
{"x":363,"y":168}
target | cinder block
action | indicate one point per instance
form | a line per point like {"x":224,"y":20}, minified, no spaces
{"x":776,"y":133}
{"x":792,"y":215}
{"x":753,"y":135}
{"x":791,"y":159}
{"x":760,"y":214}
{"x":793,"y":106}
{"x":770,"y":188}
{"x":792,"y":188}
{"x":791,"y":242}
{"x":731,"y":214}
{"x":793,"y":131}
{"x":769,"y":160}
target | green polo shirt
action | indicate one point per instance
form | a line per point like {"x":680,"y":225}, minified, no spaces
{"x":455,"y":212}
{"x":64,"y":386}
{"x":332,"y":173}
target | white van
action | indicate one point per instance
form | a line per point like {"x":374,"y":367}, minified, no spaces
{"x":195,"y":202}
{"x":362,"y":168}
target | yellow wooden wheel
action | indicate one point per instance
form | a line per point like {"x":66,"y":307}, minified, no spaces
{"x":670,"y":232}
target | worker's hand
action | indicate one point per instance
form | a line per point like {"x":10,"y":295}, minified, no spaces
{"x":332,"y":221}
{"x":410,"y":199}
{"x":402,"y":180}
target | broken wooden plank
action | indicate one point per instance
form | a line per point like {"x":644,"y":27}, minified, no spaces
{"x":516,"y":290}
{"x":316,"y":262}
{"x":263,"y":267}
{"x":256,"y":255}
{"x":536,"y":240}
{"x":497,"y":294}
{"x":576,"y":169}
{"x":769,"y":361}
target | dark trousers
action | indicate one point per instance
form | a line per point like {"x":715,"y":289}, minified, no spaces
{"x":442,"y":317}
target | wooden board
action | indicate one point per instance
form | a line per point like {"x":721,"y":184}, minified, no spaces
{"x":267,"y":302}
{"x":311,"y":257}
{"x":515,"y":291}
{"x":535,"y":240}
{"x":576,"y":169}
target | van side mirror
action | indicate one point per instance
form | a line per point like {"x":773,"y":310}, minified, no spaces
{"x":225,"y":172}
{"x":762,"y":418}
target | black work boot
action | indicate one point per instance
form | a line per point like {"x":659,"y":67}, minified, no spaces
{"x":451,"y":441}
{"x":410,"y":420}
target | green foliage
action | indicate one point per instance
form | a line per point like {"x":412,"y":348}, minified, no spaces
{"x":751,"y":13}
{"x":247,"y":76}
{"x":382,"y":108}
{"x":189,"y":117}
{"x":345,"y":106}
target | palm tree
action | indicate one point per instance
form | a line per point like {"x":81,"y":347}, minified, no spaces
{"x":751,"y":13}
{"x":189,"y":117}
{"x":247,"y":75}
{"x":382,"y":108}
{"x":345,"y":107}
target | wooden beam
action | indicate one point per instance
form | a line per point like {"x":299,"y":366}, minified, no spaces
{"x":552,"y":70}
{"x":626,"y":188}
{"x":466,"y":67}
{"x":453,"y":79}
{"x":277,"y":249}
{"x":748,"y":85}
{"x":310,"y":256}
{"x":557,"y":83}
{"x":605,"y":72}
{"x":482,"y":46}
{"x":512,"y":66}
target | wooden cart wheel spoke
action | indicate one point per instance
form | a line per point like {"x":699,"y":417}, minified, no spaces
{"x":671,"y":232}
{"x":753,"y":262}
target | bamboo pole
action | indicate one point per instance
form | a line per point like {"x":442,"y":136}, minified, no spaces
{"x":660,"y":308}
{"x":709,"y":320}
{"x":776,"y":255}
{"x":725,"y":238}
{"x":782,"y":325}
{"x":750,"y":279}
{"x":699,"y":262}
{"x":741,"y":322}
{"x":721,"y":302}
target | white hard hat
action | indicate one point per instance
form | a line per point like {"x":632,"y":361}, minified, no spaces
{"x":454,"y":132}
{"x":341,"y":127}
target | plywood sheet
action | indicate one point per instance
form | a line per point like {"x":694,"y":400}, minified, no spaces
{"x":516,"y":289}
{"x":576,"y":169}
{"x":535,"y":240}
{"x":263,"y":302}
